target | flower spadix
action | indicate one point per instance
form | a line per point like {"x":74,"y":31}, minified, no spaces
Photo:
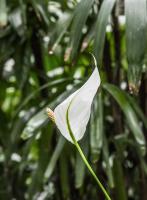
{"x":78,"y":106}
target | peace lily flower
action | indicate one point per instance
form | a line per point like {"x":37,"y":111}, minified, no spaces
{"x":72,"y":116}
{"x":79,"y":104}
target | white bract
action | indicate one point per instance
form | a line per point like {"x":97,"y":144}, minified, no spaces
{"x":80,"y":107}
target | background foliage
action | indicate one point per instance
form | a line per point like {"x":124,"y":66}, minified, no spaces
{"x":44,"y":57}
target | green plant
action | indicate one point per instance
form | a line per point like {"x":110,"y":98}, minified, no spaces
{"x":44,"y":58}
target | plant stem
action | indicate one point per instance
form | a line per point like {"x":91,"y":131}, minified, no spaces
{"x":84,"y":158}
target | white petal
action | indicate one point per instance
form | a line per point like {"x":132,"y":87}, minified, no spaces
{"x":80,"y":108}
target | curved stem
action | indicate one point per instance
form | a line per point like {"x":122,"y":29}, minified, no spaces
{"x":84,"y":158}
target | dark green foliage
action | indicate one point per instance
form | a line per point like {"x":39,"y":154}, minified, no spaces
{"x":44,"y":57}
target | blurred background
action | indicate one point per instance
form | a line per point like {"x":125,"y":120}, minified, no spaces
{"x":44,"y":57}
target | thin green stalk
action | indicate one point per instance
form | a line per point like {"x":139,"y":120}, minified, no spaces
{"x":84,"y":158}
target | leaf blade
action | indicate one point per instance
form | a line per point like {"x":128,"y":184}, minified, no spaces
{"x":100,"y":30}
{"x":136,"y":38}
{"x":133,"y":123}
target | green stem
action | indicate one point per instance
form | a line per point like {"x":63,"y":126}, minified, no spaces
{"x":84,"y":158}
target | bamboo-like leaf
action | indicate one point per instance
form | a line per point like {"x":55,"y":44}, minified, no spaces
{"x":49,"y":85}
{"x":37,"y":175}
{"x":80,"y":16}
{"x":30,"y":82}
{"x":136,"y":39}
{"x":107,"y":161}
{"x":59,"y":30}
{"x":16,"y":21}
{"x":16,"y":131}
{"x":80,"y":165}
{"x":133,"y":123}
{"x":3,"y":13}
{"x":119,"y":180}
{"x":96,"y":133}
{"x":100,"y":30}
{"x":64,"y":176}
{"x":89,"y":36}
{"x":40,"y":8}
{"x":54,"y":158}
{"x":36,"y":122}
{"x":138,"y":110}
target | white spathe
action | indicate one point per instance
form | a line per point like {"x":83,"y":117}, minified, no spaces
{"x":80,"y":108}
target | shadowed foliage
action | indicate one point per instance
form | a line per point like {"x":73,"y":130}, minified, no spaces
{"x":44,"y":57}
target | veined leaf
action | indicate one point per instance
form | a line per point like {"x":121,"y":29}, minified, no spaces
{"x":136,"y":39}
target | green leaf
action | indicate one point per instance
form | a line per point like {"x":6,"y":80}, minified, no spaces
{"x":48,"y":85}
{"x":138,"y":110}
{"x":96,"y":133}
{"x":3,"y":13}
{"x":16,"y":21}
{"x":80,"y":16}
{"x":64,"y":176}
{"x":43,"y":149}
{"x":40,"y":8}
{"x":119,"y":180}
{"x":100,"y":30}
{"x":35,"y":123}
{"x":80,"y":165}
{"x":106,"y":156}
{"x":54,"y":158}
{"x":136,"y":39}
{"x":133,"y":122}
{"x":59,"y":30}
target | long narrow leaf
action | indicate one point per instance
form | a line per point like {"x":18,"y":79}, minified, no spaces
{"x":64,"y":176}
{"x":80,"y":17}
{"x":133,"y":123}
{"x":106,"y":156}
{"x":80,"y":165}
{"x":119,"y":180}
{"x":100,"y":30}
{"x":136,"y":38}
{"x":96,"y":133}
{"x":3,"y":13}
{"x":54,"y":158}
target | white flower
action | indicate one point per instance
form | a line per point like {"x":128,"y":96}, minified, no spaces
{"x":79,"y":111}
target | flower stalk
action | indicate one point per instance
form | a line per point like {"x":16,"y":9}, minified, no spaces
{"x":84,"y":158}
